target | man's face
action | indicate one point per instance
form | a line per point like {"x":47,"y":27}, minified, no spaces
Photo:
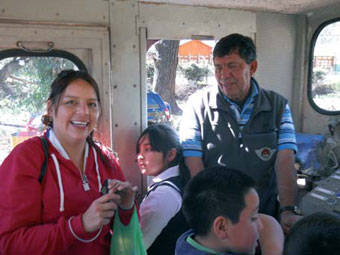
{"x":233,"y":75}
{"x":244,"y":234}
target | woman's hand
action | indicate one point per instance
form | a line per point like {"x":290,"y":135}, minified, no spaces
{"x":100,"y":212}
{"x":125,"y":191}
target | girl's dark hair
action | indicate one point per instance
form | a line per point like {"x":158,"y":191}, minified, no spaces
{"x":58,"y":87}
{"x":163,"y":138}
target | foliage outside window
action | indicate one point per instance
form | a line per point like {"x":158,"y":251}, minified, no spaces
{"x":195,"y":73}
{"x":25,"y":83}
{"x":177,"y":69}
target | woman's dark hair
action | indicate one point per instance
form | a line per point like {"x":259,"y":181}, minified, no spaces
{"x":163,"y":138}
{"x":58,"y":87}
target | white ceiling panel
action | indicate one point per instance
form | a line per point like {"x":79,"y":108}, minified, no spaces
{"x":276,"y":6}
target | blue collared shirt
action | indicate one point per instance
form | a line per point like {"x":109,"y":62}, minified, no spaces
{"x":190,"y":134}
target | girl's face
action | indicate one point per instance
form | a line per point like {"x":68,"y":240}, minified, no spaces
{"x":150,"y":162}
{"x":77,"y":113}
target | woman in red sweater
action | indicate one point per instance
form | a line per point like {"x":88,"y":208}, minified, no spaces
{"x":65,"y":213}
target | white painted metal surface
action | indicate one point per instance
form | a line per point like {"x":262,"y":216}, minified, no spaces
{"x":275,"y":41}
{"x":126,"y":87}
{"x":276,"y":6}
{"x":94,"y":12}
{"x":176,"y":22}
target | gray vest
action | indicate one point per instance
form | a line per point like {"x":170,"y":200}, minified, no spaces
{"x":253,"y":150}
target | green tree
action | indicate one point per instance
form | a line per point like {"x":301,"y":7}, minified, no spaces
{"x":195,"y":72}
{"x":25,"y":82}
{"x":318,"y":77}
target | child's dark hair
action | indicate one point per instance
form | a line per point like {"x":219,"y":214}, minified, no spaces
{"x":213,"y":192}
{"x":315,"y":234}
{"x":163,"y":138}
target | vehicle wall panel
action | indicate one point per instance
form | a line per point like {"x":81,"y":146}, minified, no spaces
{"x":75,"y":11}
{"x":165,"y":21}
{"x":126,"y":85}
{"x":275,"y":41}
{"x":314,"y":122}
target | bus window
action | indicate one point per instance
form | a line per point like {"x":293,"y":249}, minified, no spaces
{"x":25,"y":82}
{"x":175,"y":70}
{"x":324,"y":69}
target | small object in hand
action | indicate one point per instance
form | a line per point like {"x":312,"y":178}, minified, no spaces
{"x":104,"y":190}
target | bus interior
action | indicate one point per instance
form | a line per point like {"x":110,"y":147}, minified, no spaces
{"x":119,"y":41}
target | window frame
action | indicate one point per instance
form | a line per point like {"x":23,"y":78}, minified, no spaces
{"x":8,"y":53}
{"x":310,"y":68}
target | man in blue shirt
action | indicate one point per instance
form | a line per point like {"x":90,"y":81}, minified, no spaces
{"x":242,"y":126}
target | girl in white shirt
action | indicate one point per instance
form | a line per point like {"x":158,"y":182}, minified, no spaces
{"x":160,"y":157}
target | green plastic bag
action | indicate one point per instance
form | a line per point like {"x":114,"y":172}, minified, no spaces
{"x":127,"y":240}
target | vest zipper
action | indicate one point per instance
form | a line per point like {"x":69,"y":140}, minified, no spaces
{"x":231,"y":130}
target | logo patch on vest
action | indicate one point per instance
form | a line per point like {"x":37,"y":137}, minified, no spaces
{"x":265,"y":153}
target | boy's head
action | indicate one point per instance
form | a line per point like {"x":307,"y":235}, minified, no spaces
{"x":221,"y":205}
{"x":316,"y":234}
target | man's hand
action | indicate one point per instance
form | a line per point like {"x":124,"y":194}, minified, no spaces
{"x":195,"y":165}
{"x":288,"y":219}
{"x":271,"y":236}
{"x":287,"y":187}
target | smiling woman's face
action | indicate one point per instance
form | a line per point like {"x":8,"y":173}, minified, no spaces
{"x":77,"y":113}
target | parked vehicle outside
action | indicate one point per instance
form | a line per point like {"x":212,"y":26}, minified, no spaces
{"x":34,"y":124}
{"x":158,"y":110}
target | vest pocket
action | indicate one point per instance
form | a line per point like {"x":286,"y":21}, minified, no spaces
{"x":261,"y":149}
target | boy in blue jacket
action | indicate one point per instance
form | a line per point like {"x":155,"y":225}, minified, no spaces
{"x":221,"y":207}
